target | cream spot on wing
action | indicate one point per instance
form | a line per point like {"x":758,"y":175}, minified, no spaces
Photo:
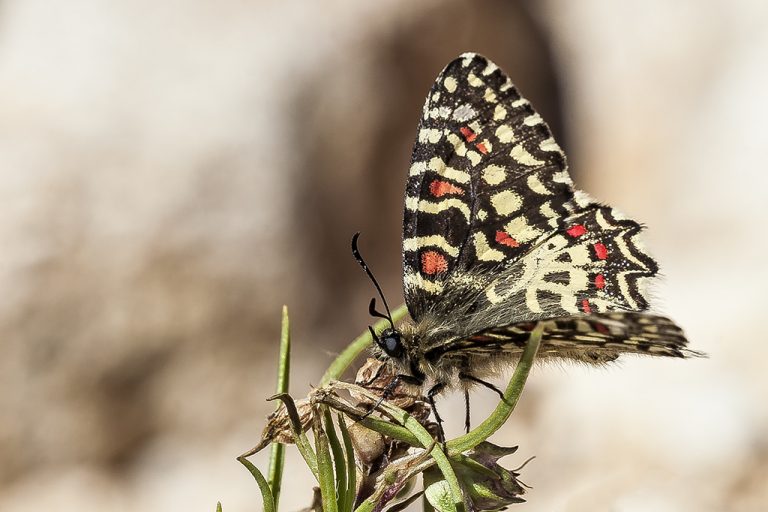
{"x":582,"y":198}
{"x":533,"y":120}
{"x":411,"y":203}
{"x":522,"y":156}
{"x":489,"y":95}
{"x":550,"y":145}
{"x":499,"y":113}
{"x":536,"y":185}
{"x":505,"y":133}
{"x":519,"y":229}
{"x":563,"y":177}
{"x":464,"y":113}
{"x":431,"y":135}
{"x":439,"y":241}
{"x":490,"y":68}
{"x":519,"y":103}
{"x":506,"y":85}
{"x":473,"y":80}
{"x":440,"y":112}
{"x":482,"y":214}
{"x":413,"y":280}
{"x":450,"y":83}
{"x":417,"y":168}
{"x":434,"y":208}
{"x":474,"y":157}
{"x":547,"y":211}
{"x":494,"y":174}
{"x":579,"y":255}
{"x":506,"y":202}
{"x":483,"y":251}
{"x":458,"y":145}
{"x":437,"y":166}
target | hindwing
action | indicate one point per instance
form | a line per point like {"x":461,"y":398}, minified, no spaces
{"x":594,"y":338}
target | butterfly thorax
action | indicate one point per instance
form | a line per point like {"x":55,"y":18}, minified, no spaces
{"x":421,"y":342}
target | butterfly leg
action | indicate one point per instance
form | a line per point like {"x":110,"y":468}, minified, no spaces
{"x":435,"y":390}
{"x":466,"y":409}
{"x":472,"y":378}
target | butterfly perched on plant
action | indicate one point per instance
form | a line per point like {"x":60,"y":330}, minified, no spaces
{"x":496,"y":239}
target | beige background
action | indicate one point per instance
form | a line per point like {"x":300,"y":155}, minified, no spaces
{"x":171,"y":173}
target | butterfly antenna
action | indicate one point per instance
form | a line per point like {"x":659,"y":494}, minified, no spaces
{"x":372,"y":305}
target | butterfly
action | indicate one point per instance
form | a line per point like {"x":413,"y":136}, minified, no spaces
{"x":496,"y":239}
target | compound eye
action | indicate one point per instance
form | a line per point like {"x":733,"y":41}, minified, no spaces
{"x":391,"y":344}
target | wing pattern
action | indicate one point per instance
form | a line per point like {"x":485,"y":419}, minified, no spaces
{"x":494,"y":232}
{"x":595,"y":338}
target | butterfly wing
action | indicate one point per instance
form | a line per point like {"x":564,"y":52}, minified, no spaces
{"x":594,"y":338}
{"x":487,"y":181}
{"x":494,"y":231}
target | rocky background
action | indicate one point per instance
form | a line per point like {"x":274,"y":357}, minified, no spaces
{"x":171,"y":173}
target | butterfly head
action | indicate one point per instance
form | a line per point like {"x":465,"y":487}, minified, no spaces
{"x":391,"y":342}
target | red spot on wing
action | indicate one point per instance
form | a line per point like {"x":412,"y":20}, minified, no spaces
{"x":468,"y":134}
{"x":439,"y":188}
{"x":481,"y":148}
{"x":432,"y":262}
{"x":585,"y":306}
{"x":503,"y":237}
{"x":577,"y":230}
{"x":599,"y":281}
{"x":600,"y":251}
{"x":601,"y":328}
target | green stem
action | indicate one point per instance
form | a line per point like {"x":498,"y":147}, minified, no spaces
{"x":349,"y":354}
{"x":511,"y":395}
{"x":277,"y":453}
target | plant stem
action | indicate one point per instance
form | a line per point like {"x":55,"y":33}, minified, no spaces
{"x":349,"y":354}
{"x":277,"y":453}
{"x":511,"y":395}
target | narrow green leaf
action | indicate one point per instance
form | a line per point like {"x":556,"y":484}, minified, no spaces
{"x":360,"y":343}
{"x":511,"y":395}
{"x":308,"y":454}
{"x":349,"y":497}
{"x":266,"y":493}
{"x":324,"y":466}
{"x":218,"y":506}
{"x":277,"y":453}
{"x":339,"y":460}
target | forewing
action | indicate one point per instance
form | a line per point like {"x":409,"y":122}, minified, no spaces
{"x":487,"y":182}
{"x":494,"y":232}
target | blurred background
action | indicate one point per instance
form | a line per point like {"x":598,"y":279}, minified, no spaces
{"x":172,"y":173}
